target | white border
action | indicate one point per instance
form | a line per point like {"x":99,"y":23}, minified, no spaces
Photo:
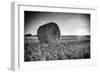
{"x":17,"y":61}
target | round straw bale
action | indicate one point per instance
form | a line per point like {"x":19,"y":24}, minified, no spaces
{"x":48,"y":33}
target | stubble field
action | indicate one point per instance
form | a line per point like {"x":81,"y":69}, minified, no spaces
{"x":69,"y":47}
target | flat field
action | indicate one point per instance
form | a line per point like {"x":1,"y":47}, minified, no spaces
{"x":68,"y":48}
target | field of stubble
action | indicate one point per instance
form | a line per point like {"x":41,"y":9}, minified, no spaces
{"x":66,"y":49}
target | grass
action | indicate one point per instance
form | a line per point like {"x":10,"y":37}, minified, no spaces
{"x":76,"y":48}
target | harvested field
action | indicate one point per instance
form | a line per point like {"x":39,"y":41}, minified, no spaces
{"x":68,"y":48}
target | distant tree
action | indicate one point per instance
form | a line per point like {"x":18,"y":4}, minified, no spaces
{"x":28,"y":34}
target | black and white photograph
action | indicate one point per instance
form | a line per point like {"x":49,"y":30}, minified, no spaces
{"x":51,"y":36}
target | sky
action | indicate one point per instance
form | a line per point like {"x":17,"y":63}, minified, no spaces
{"x":69,"y":23}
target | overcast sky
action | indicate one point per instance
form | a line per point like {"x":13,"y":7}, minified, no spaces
{"x":69,"y":23}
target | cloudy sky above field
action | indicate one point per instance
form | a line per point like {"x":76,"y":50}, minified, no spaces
{"x":69,"y":23}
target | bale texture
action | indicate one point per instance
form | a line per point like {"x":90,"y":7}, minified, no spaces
{"x":48,"y":33}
